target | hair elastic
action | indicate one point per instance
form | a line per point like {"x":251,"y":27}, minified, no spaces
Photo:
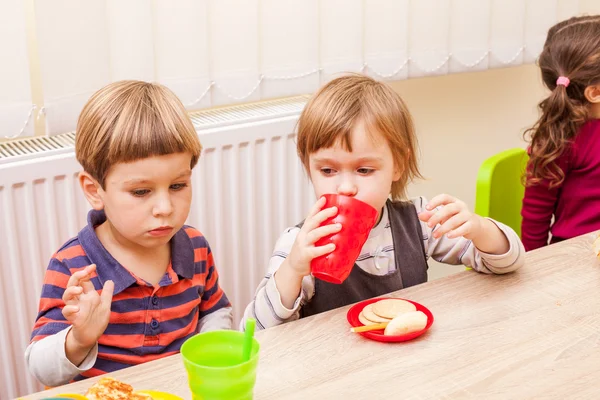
{"x":563,"y":80}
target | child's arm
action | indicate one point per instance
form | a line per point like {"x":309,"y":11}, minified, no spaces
{"x":59,"y":352}
{"x":539,"y":204}
{"x":537,"y":211}
{"x":267,"y":307}
{"x":288,"y":283}
{"x":217,"y":320}
{"x":47,"y":361}
{"x":454,"y":235}
{"x":215,"y":309}
{"x":538,"y":207}
{"x":296,"y":266}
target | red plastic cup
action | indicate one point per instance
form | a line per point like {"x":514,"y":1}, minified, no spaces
{"x":357,"y":219}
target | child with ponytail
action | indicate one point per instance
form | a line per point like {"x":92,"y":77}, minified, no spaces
{"x":562,"y":195}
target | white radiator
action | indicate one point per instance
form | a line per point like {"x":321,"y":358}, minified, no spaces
{"x":248,"y":186}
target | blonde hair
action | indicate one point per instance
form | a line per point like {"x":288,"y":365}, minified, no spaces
{"x":335,"y":109}
{"x":131,"y":120}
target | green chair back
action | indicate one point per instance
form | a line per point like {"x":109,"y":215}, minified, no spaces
{"x":500,"y":190}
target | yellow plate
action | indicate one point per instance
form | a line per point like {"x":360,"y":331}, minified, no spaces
{"x":159,"y":395}
{"x":155,"y":395}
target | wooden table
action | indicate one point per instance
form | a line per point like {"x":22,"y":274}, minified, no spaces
{"x":531,"y":334}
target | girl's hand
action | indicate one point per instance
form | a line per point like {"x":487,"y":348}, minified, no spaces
{"x":304,"y":250}
{"x":453,"y":216}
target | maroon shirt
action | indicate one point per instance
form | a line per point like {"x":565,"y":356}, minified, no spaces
{"x":575,"y":204}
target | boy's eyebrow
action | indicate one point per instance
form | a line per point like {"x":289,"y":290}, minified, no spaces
{"x":137,"y":181}
{"x":185,"y":174}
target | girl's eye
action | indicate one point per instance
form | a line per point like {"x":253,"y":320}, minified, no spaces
{"x":140,"y":192}
{"x":178,"y":186}
{"x":365,"y":171}
{"x":327,"y":171}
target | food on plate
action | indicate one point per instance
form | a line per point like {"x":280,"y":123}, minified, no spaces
{"x":409,"y":322}
{"x":108,"y":388}
{"x":391,"y":308}
{"x":363,"y":320}
{"x":368,"y":313}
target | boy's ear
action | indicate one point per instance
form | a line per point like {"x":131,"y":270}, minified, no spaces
{"x":91,"y":190}
{"x":592,"y":94}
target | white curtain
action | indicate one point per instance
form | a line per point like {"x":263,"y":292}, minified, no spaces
{"x":74,"y":53}
{"x":429,"y":43}
{"x":289,"y":47}
{"x":541,"y":15}
{"x":469,"y":35}
{"x":386,"y":38}
{"x":16,"y":107}
{"x":506,"y":33}
{"x":216,"y":52}
{"x":181,"y":48}
{"x":340,"y":37}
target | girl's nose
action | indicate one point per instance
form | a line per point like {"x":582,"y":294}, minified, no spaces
{"x":347,"y":188}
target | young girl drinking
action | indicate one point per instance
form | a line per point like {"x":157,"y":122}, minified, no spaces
{"x":356,"y":138}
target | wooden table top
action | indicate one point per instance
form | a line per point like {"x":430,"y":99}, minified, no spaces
{"x":531,"y":334}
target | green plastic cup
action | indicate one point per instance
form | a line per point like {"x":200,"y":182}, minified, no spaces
{"x":215,"y":368}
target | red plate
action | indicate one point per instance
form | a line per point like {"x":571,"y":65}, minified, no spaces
{"x":378,"y":335}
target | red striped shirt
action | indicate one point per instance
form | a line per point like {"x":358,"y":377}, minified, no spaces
{"x":146,"y":322}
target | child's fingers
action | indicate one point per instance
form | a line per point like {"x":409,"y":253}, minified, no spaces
{"x":425,"y":215}
{"x":440,"y":200}
{"x":79,"y":275}
{"x":76,"y":277}
{"x":319,"y":251}
{"x":87,"y":286}
{"x":316,"y":207}
{"x":322,"y":231}
{"x":107,"y":292}
{"x":462,"y":230}
{"x":452,"y":223}
{"x":71,"y":294}
{"x":69,"y":312}
{"x":314,"y":222}
{"x":443,"y":214}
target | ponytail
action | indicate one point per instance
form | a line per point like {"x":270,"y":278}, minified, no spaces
{"x":561,"y":119}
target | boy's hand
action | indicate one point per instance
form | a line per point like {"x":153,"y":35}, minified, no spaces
{"x":86,"y":310}
{"x":454,"y":218}
{"x":304,"y":249}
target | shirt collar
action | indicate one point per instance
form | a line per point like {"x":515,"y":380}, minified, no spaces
{"x":107,"y":268}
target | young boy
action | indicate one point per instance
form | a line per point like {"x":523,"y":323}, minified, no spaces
{"x":136,"y":282}
{"x":356,"y":138}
